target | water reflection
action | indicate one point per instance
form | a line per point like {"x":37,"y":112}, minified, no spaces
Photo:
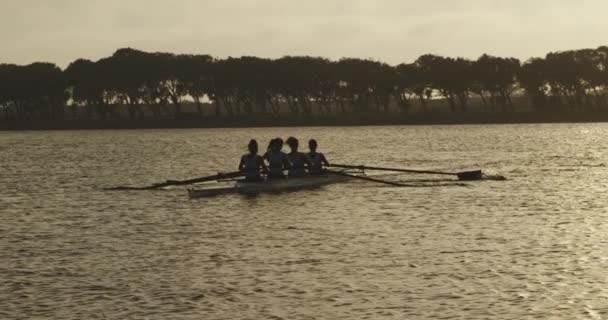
{"x":531,"y":246}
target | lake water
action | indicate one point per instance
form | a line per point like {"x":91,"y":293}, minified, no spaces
{"x":534,"y":246}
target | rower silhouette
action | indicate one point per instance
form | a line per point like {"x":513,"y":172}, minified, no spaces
{"x":252,"y":164}
{"x":277,"y":159}
{"x":298,"y":161}
{"x":316,"y":159}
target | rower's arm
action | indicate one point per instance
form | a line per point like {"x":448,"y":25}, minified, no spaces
{"x":265,"y":158}
{"x":262,"y":165}
{"x":242,"y":164}
{"x":324,"y":160}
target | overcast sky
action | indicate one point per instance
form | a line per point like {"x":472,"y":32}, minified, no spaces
{"x":394,"y":31}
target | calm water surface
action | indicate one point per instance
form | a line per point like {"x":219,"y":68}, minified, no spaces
{"x":534,"y":246}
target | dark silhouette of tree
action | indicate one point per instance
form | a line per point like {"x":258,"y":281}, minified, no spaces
{"x":85,"y":80}
{"x":460,"y":77}
{"x":498,"y":78}
{"x":383,"y":84}
{"x":135,"y":83}
{"x":441,"y":73}
{"x":532,"y":79}
{"x":8,"y":90}
{"x":35,"y":91}
{"x":174,"y":71}
{"x":598,"y":77}
{"x":412,"y":81}
{"x":154,"y":93}
{"x":128,"y":71}
{"x":364,"y":83}
{"x":252,"y":84}
{"x":300,"y":82}
{"x":225,"y":90}
{"x":198,"y":79}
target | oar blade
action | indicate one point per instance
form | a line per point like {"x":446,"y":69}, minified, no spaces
{"x":470,"y":175}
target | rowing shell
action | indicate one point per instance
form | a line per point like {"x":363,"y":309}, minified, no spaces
{"x":267,"y":186}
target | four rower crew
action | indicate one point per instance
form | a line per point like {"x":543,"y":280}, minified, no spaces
{"x":296,"y":163}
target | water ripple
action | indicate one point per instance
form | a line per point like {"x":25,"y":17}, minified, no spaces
{"x":532,"y":246}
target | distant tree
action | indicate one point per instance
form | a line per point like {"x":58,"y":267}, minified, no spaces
{"x":47,"y":89}
{"x":532,"y":79}
{"x":301,"y":85}
{"x":562,"y":74}
{"x":460,"y":77}
{"x":198,"y":79}
{"x":589,"y":89}
{"x":252,"y":84}
{"x":87,"y":83}
{"x":225,"y":89}
{"x":364,"y":83}
{"x":154,"y":92}
{"x":173,"y":72}
{"x":8,"y":90}
{"x":128,"y":72}
{"x":498,"y":77}
{"x":383,"y":84}
{"x":35,"y":91}
{"x":412,"y":82}
{"x":441,"y":74}
{"x":599,"y":78}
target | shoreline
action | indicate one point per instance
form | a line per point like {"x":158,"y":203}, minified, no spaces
{"x":308,"y":121}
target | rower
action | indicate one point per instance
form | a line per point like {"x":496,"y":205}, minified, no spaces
{"x":277,"y":159}
{"x":317,"y":160}
{"x":298,"y":160}
{"x":251,"y":163}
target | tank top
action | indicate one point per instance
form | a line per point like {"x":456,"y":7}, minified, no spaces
{"x":316,"y":167}
{"x":297,"y":164}
{"x":275,"y":162}
{"x":251,"y":169}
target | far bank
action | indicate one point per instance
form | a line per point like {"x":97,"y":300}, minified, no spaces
{"x":362,"y":119}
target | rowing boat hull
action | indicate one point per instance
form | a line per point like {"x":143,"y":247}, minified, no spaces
{"x":267,"y":186}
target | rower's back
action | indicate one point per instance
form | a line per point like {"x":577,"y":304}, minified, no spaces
{"x":251,"y":163}
{"x":276,"y":163}
{"x":277,"y":159}
{"x":316,"y":159}
{"x":298,"y":162}
{"x":250,"y":167}
{"x":316,"y":164}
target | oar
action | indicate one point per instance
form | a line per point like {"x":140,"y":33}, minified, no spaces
{"x":183,"y":182}
{"x":465,"y":176}
{"x":344,"y":174}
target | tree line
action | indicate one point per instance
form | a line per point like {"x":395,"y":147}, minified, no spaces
{"x":137,"y":83}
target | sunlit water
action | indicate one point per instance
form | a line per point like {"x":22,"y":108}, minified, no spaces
{"x":534,"y":246}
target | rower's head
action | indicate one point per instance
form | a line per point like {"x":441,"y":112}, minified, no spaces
{"x":253,"y":146}
{"x":293,"y":143}
{"x":312,"y":145}
{"x":276,"y":144}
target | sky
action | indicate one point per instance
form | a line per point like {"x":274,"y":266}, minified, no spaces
{"x":393,"y":31}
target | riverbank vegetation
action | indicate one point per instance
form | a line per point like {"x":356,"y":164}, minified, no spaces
{"x":134,"y":86}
